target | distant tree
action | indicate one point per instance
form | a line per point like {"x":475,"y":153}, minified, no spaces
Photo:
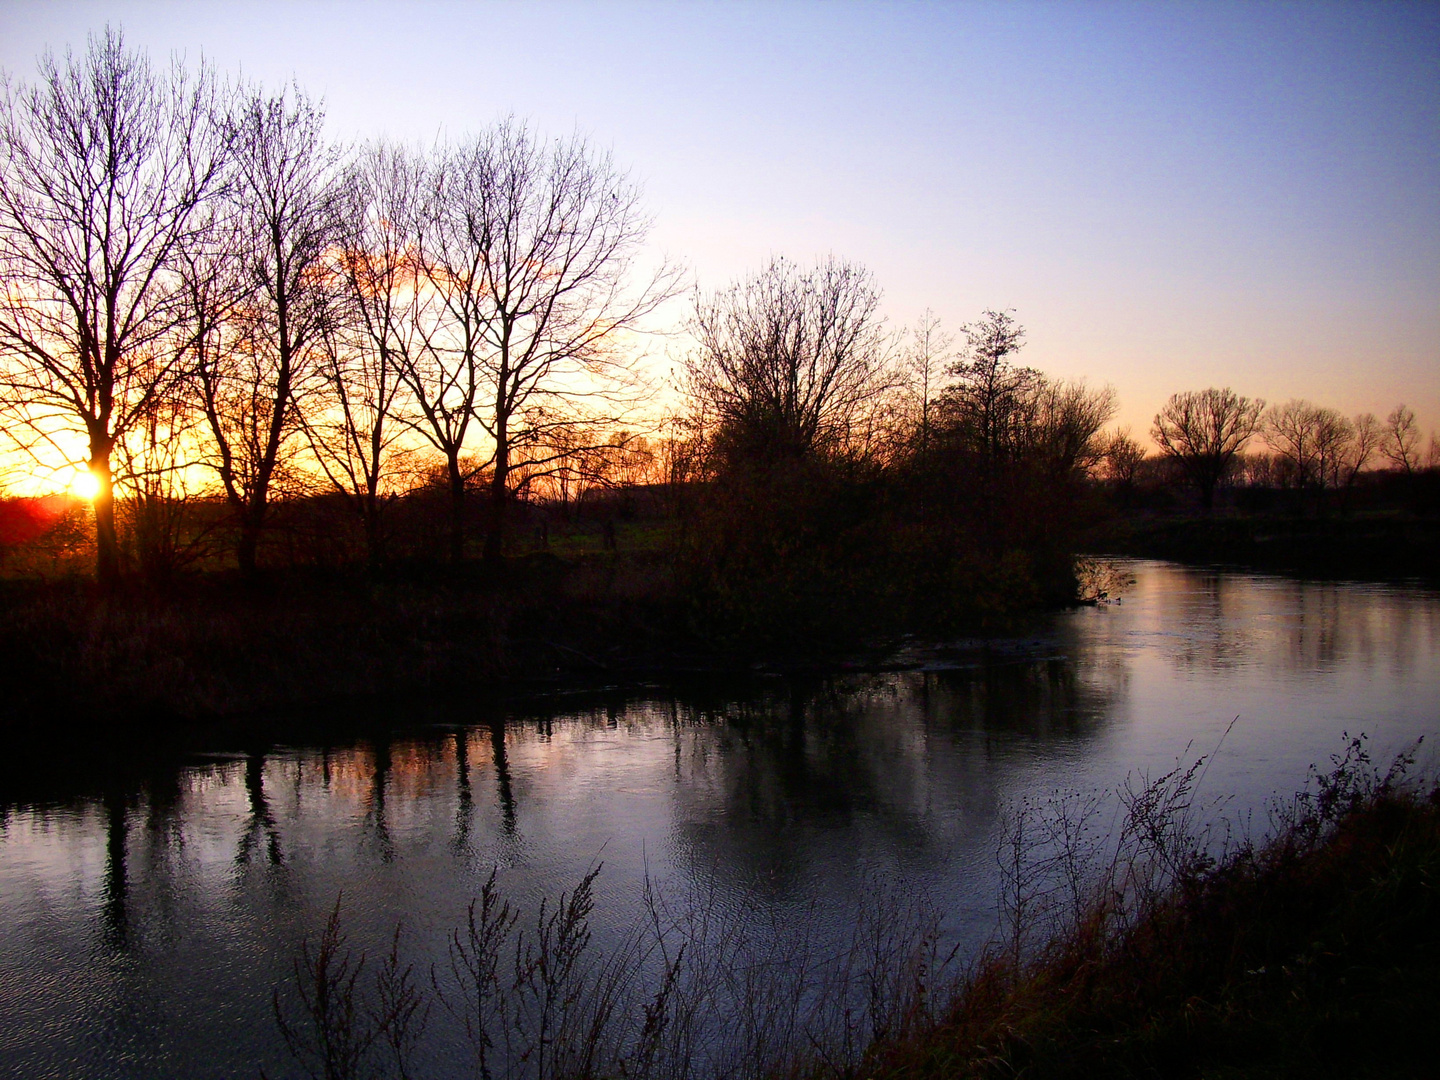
{"x":105,"y":165}
{"x":1333,"y":436}
{"x":786,"y":360}
{"x":1365,"y":436}
{"x":1289,"y":432}
{"x":285,"y":222}
{"x":1122,"y":458}
{"x":1312,"y":441}
{"x":989,"y":399}
{"x":1401,"y":439}
{"x":1067,"y":418}
{"x":1202,"y":431}
{"x":1257,"y":470}
{"x":924,"y":365}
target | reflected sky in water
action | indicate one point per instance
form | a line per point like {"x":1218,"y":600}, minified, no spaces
{"x":145,"y":928}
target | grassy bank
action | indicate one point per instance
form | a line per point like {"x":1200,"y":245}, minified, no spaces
{"x":1314,"y":953}
{"x":212,"y":645}
{"x":1159,"y":948}
{"x":1381,"y":548}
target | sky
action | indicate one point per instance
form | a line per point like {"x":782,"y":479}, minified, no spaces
{"x":1169,"y":195}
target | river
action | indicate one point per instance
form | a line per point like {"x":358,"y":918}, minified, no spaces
{"x":143,"y":929}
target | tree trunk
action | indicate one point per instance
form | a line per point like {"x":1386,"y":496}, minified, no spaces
{"x":107,"y":542}
{"x":457,"y":510}
{"x":252,"y":521}
{"x":499,"y":498}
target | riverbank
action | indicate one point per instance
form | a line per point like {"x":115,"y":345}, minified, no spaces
{"x":1146,"y":952}
{"x":1375,"y":548}
{"x":212,"y":648}
{"x":1312,"y":954}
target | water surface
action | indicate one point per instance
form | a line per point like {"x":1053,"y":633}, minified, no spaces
{"x":142,"y":930}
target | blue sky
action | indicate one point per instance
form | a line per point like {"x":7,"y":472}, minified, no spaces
{"x":1170,"y":195}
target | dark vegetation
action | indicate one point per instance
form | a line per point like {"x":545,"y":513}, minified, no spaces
{"x":369,"y":424}
{"x":378,"y":419}
{"x":1310,"y":953}
{"x":1166,"y":948}
{"x":1379,"y":525}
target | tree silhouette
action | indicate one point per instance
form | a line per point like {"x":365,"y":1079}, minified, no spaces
{"x":787,"y":359}
{"x":105,"y":166}
{"x":1203,"y":431}
{"x":285,"y":203}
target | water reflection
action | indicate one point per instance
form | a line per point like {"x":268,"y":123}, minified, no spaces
{"x":775,"y":793}
{"x":502,"y":772}
{"x":260,"y":829}
{"x":375,"y":817}
{"x":464,"y":801}
{"x":114,"y":921}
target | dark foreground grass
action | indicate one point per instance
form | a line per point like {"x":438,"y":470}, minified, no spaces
{"x":1160,"y":949}
{"x":1315,"y":953}
{"x":215,"y":646}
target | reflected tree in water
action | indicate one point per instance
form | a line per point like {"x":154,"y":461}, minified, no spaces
{"x":115,"y":918}
{"x":376,"y":819}
{"x":464,"y":800}
{"x":502,"y":776}
{"x":260,"y":827}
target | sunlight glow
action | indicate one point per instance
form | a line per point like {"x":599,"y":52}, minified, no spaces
{"x":84,"y":485}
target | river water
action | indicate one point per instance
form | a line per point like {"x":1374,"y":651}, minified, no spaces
{"x":143,"y":929}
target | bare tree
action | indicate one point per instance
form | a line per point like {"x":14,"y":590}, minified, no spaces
{"x":104,"y":163}
{"x":1315,"y":447}
{"x":1122,"y":456}
{"x":544,"y":240}
{"x":440,"y":368}
{"x":925,"y":363}
{"x":990,"y":403}
{"x":284,"y":204}
{"x":1203,"y":430}
{"x":1365,"y":436}
{"x":1312,"y":442}
{"x":786,"y":360}
{"x":1401,"y":440}
{"x":1067,"y":419}
{"x":352,"y":420}
{"x":1333,"y":435}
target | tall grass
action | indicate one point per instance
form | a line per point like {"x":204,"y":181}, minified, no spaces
{"x":1173,"y":947}
{"x":1137,"y":938}
{"x":686,"y":992}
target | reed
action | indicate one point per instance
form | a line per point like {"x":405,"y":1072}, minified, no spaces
{"x":1168,"y":945}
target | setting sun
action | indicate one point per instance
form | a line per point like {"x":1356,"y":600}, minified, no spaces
{"x":84,"y":485}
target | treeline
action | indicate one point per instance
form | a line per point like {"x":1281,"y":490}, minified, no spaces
{"x":277,"y":350}
{"x":847,"y":475}
{"x":240,"y":317}
{"x":1217,"y":440}
{"x":221,"y":302}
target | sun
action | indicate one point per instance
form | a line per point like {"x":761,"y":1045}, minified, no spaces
{"x":85,"y":485}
